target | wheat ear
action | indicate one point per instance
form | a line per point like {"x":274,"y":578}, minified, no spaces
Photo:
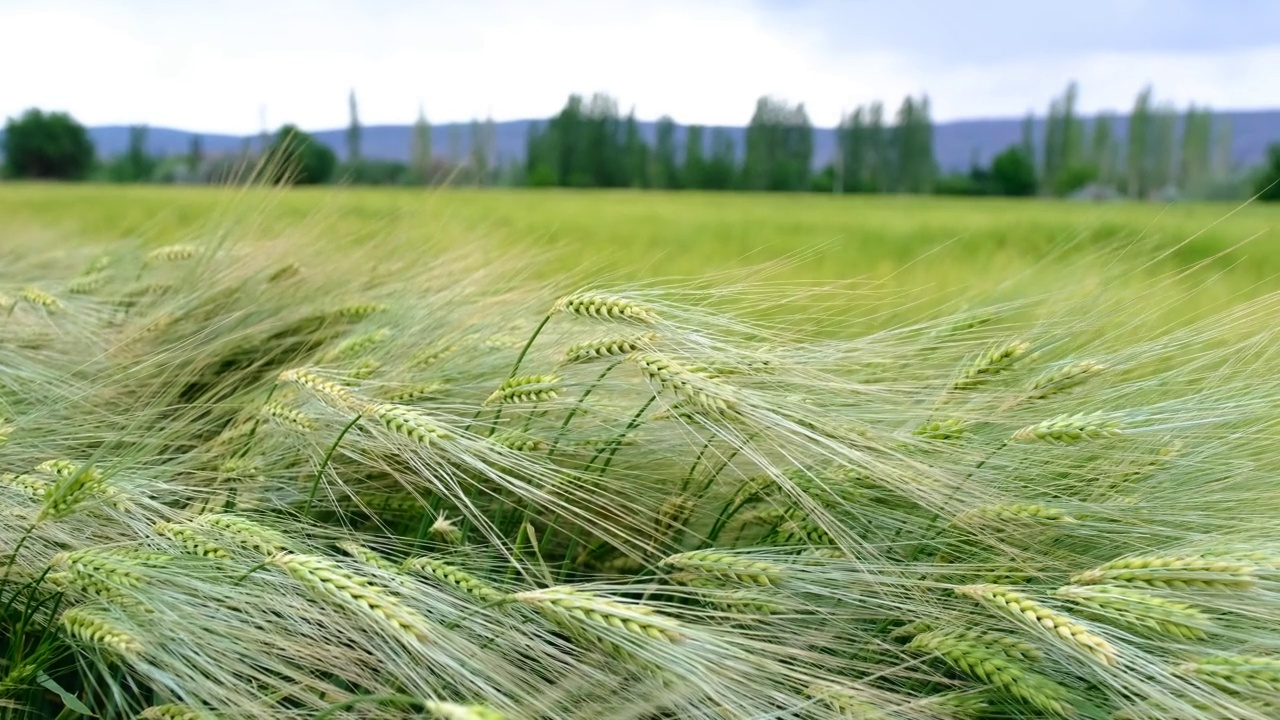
{"x":1127,"y":606}
{"x":577,"y":608}
{"x":993,"y":665}
{"x":725,"y":566}
{"x":1175,"y":572}
{"x":1015,"y":604}
{"x":1070,"y":429}
{"x":1236,"y":672}
{"x":95,"y":628}
{"x":990,"y":364}
{"x":409,"y":422}
{"x":454,"y":577}
{"x":173,"y":711}
{"x":329,"y":580}
{"x":525,"y":389}
{"x":605,"y":307}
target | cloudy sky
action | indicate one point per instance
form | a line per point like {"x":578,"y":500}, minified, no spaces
{"x":213,"y":66}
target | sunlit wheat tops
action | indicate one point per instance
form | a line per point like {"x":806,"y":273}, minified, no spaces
{"x":725,"y":566}
{"x":1071,"y":429}
{"x":994,"y":664}
{"x":327,"y":579}
{"x":408,"y":422}
{"x":1135,"y":608}
{"x":95,"y":627}
{"x":990,"y":364}
{"x":1174,"y":572}
{"x":581,"y":609}
{"x":1014,"y":603}
{"x":606,"y":347}
{"x":605,"y":307}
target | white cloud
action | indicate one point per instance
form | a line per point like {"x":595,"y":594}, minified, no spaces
{"x":210,"y":66}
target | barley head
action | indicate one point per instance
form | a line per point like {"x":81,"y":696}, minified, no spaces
{"x":1177,"y":572}
{"x":993,"y":665}
{"x":525,"y":389}
{"x":1013,"y":603}
{"x":1070,"y":429}
{"x":329,"y":580}
{"x":605,"y":307}
{"x":725,"y":566}
{"x":96,"y":628}
{"x":1135,"y":608}
{"x":454,"y":577}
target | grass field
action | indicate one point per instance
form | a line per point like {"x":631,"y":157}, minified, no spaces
{"x":660,"y":234}
{"x":576,"y":456}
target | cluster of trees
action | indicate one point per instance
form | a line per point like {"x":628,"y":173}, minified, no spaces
{"x":590,"y":143}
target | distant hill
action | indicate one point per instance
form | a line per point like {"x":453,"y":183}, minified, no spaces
{"x":956,"y":143}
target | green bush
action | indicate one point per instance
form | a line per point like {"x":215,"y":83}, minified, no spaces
{"x":47,"y":146}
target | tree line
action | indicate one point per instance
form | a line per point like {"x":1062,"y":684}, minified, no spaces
{"x":590,"y":143}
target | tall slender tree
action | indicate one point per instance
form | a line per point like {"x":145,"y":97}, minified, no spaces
{"x":665,"y":169}
{"x":195,"y":155}
{"x":1103,"y":150}
{"x":353,"y":130}
{"x":695,"y":159}
{"x":1137,"y":155}
{"x":1196,"y":162}
{"x":914,"y":167}
{"x":420,"y":148}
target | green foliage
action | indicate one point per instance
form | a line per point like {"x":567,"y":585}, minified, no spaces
{"x":295,"y":157}
{"x":1013,"y":173}
{"x":1267,"y":185}
{"x":779,"y":152}
{"x":136,"y":164}
{"x":47,"y":146}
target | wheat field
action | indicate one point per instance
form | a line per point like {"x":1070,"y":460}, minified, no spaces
{"x":479,"y":455}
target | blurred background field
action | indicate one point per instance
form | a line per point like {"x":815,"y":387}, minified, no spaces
{"x":927,"y":247}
